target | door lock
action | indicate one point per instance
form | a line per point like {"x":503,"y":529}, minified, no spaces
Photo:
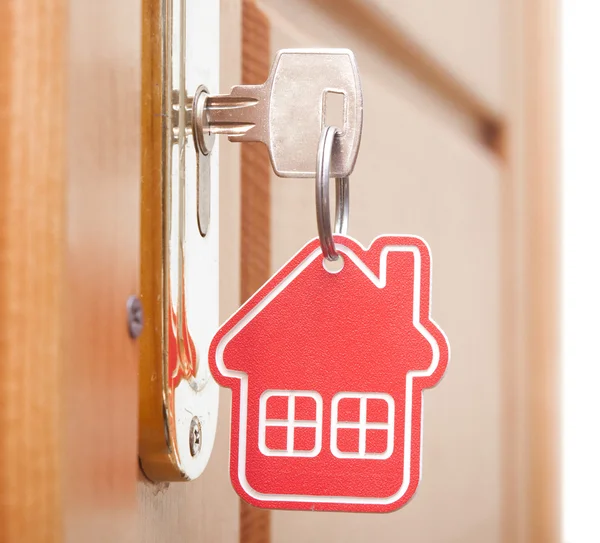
{"x":288,"y":112}
{"x":180,"y":227}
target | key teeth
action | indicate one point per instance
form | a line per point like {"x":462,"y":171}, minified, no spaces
{"x":226,"y":113}
{"x":230,"y":102}
{"x":231,"y":129}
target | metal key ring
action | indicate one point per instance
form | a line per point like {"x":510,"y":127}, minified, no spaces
{"x":342,"y":196}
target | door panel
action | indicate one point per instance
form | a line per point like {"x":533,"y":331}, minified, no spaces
{"x":33,"y":71}
{"x":102,"y":270}
{"x":454,"y":45}
{"x":398,"y":188}
{"x":420,"y":171}
{"x":464,"y":35}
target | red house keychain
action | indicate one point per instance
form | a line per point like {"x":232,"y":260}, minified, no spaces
{"x":327,"y":371}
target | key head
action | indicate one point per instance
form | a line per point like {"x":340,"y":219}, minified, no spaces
{"x":290,"y":112}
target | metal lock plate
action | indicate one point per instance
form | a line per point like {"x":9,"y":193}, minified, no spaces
{"x":180,"y":244}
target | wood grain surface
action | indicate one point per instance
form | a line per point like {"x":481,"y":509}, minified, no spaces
{"x":406,"y":35}
{"x":32,"y":252}
{"x":543,"y":267}
{"x":531,"y":444}
{"x":255,"y":524}
{"x":103,"y":202}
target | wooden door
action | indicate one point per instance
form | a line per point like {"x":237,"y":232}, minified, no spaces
{"x":449,"y":152}
{"x":423,"y":169}
{"x":458,"y":147}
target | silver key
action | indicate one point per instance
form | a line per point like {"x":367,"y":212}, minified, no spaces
{"x":287,"y":112}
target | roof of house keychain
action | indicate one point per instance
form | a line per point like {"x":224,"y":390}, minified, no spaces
{"x":327,"y":370}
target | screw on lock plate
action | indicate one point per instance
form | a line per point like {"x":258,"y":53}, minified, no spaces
{"x":287,"y":112}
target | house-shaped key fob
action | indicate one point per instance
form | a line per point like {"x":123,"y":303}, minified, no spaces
{"x":327,"y":371}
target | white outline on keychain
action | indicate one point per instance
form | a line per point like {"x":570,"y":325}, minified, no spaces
{"x":379,"y":282}
{"x":290,"y":423}
{"x":362,"y":425}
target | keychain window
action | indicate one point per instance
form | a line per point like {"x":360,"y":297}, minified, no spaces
{"x":362,"y":425}
{"x":290,"y":423}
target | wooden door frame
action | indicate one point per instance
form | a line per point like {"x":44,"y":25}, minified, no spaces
{"x":32,"y":266}
{"x":531,"y":265}
{"x":255,"y":257}
{"x":69,"y":245}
